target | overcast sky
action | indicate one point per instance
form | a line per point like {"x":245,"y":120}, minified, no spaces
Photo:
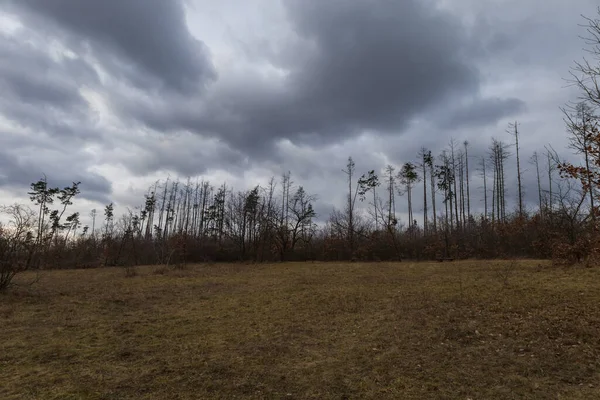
{"x":119,"y":93}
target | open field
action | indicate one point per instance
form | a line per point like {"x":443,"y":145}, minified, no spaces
{"x":476,"y":329}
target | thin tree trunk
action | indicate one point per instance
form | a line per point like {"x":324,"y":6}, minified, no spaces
{"x":461,"y":168}
{"x":454,"y":182}
{"x":425,"y":221}
{"x":589,"y":179}
{"x":494,"y":189}
{"x":432,"y":179}
{"x":519,"y":172}
{"x":485,"y":201}
{"x":539,"y":185}
{"x":467,"y":171}
{"x":550,"y":199}
{"x":162,"y":207}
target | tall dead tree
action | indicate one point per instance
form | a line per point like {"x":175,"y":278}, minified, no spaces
{"x":429,"y":162}
{"x":286,"y":186}
{"x":454,"y":174}
{"x":461,"y":177}
{"x":550,"y":168}
{"x":498,"y":155}
{"x":582,"y":125}
{"x":349,"y":171}
{"x":485,"y":199}
{"x":535,"y":161}
{"x":423,"y":155}
{"x":466,"y":144}
{"x":514,"y":130}
{"x":391,"y":181}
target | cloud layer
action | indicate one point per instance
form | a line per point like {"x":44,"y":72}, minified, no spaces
{"x":115,"y":93}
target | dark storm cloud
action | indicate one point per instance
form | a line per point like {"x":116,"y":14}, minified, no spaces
{"x":375,"y":63}
{"x":42,"y":93}
{"x":349,"y":67}
{"x":48,"y":119}
{"x":355,"y":66}
{"x":148,"y":37}
{"x":29,"y":74}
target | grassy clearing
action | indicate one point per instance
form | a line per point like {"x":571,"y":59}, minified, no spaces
{"x":480,"y":330}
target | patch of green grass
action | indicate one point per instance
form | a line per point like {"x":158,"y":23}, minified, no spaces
{"x":473,"y":329}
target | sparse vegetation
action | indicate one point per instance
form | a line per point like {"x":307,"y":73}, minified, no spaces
{"x":305,"y":330}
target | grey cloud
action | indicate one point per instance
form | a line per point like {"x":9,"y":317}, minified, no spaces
{"x":185,"y":154}
{"x":374,"y":64}
{"x":377,"y":66}
{"x":362,"y":65}
{"x":52,"y":120}
{"x":18,"y":172}
{"x":481,"y":112}
{"x":30,"y":75}
{"x":150,"y":35}
{"x":42,"y":93}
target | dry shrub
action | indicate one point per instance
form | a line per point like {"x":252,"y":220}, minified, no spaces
{"x":161,"y":270}
{"x":505,"y":272}
{"x":130,"y":271}
{"x":584,"y":251}
{"x":16,"y":243}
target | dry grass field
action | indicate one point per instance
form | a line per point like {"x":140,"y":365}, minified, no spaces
{"x":460,"y":330}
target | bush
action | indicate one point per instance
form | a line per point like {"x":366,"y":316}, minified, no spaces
{"x":16,"y":243}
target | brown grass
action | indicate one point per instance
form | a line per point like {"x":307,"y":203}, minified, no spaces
{"x":479,"y":330}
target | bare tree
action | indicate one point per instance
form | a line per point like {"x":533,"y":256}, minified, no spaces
{"x":551,"y":166}
{"x":16,"y":242}
{"x":391,"y":181}
{"x":582,"y":125}
{"x":586,"y":74}
{"x":424,"y":154}
{"x":461,"y":178}
{"x":498,"y":154}
{"x":302,"y":213}
{"x":485,"y":199}
{"x":455,"y":191}
{"x":349,"y":171}
{"x":466,"y":144}
{"x":535,"y":161}
{"x":514,"y":130}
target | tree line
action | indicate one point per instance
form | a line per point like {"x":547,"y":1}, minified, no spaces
{"x":196,"y":221}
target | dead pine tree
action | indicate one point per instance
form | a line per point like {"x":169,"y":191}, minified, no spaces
{"x":551,"y":166}
{"x":485,"y":198}
{"x":535,"y":161}
{"x":453,"y":163}
{"x":466,"y":144}
{"x":391,"y":181}
{"x":349,"y":171}
{"x":423,"y":155}
{"x":498,"y":154}
{"x":513,"y":129}
{"x":461,"y":177}
{"x":429,"y":161}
